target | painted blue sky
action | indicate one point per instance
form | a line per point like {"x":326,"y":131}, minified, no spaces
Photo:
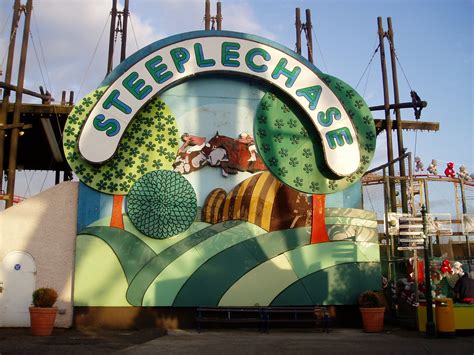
{"x":434,"y":42}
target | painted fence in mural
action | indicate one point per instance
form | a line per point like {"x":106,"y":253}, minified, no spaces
{"x":216,"y":196}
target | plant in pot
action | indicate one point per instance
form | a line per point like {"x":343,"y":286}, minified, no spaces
{"x":372,"y":308}
{"x":43,"y":313}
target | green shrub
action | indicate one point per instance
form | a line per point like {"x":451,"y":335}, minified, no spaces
{"x":44,"y":297}
{"x":371,"y":299}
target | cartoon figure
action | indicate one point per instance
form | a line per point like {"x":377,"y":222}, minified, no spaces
{"x":433,"y":167}
{"x":191,"y":143}
{"x":418,"y":164}
{"x":231,"y":155}
{"x":462,"y":173}
{"x":449,"y":171}
{"x":246,"y":138}
{"x":238,"y":155}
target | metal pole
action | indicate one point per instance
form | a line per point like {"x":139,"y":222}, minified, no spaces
{"x":401,"y":105}
{"x":464,"y":211}
{"x":207,"y":16}
{"x":397,"y":115}
{"x":430,"y":326}
{"x":219,"y":16}
{"x":113,"y":14}
{"x":8,"y":77}
{"x":388,"y":120}
{"x":309,"y":33}
{"x":12,"y":160}
{"x":123,"y":51}
{"x":427,"y":204}
{"x":298,"y":30}
{"x":57,"y":177}
{"x":389,"y":237}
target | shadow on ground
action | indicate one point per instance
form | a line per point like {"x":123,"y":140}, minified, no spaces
{"x":71,"y":341}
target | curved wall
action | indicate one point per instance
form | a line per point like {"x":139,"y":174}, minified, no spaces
{"x":45,"y":227}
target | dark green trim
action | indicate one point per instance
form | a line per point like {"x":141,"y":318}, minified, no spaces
{"x":336,"y":285}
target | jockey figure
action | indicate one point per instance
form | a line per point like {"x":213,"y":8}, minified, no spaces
{"x":246,"y":138}
{"x":191,"y":143}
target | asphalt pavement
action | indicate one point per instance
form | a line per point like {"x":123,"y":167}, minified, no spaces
{"x":232,"y":341}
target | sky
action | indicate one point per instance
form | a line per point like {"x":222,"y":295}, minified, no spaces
{"x":433,"y":39}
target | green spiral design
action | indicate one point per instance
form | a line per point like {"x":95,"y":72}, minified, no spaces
{"x":162,"y":204}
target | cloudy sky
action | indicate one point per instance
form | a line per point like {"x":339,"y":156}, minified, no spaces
{"x":433,"y":38}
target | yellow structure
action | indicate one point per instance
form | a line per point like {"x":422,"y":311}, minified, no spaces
{"x":448,"y":316}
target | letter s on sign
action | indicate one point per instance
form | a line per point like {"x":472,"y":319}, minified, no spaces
{"x":111,"y":126}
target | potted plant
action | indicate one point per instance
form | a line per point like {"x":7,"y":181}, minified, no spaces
{"x":372,"y":308}
{"x":43,"y":313}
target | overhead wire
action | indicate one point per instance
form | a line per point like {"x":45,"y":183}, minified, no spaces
{"x":37,"y":59}
{"x":56,"y":116}
{"x":368,"y":66}
{"x":400,"y":64}
{"x":42,"y":52}
{"x":133,"y":31}
{"x":4,"y":25}
{"x":12,"y":35}
{"x":93,"y":55}
{"x":319,"y":48}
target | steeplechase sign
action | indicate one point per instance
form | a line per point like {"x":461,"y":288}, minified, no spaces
{"x":170,"y":61}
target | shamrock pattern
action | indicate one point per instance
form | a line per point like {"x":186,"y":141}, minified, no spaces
{"x":299,"y":160}
{"x":149,"y":144}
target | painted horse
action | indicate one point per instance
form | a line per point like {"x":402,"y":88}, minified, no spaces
{"x":186,"y":163}
{"x":238,"y":156}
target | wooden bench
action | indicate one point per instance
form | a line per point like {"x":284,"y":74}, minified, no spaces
{"x":264,"y":316}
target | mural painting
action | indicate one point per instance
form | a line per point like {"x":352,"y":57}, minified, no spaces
{"x":221,"y":189}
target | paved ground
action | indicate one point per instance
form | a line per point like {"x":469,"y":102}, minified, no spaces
{"x":338,"y":341}
{"x":72,"y":341}
{"x":294,"y":341}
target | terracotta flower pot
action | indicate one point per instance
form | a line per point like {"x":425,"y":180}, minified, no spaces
{"x":42,"y":320}
{"x":372,"y":319}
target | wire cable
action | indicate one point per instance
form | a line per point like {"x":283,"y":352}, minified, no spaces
{"x":37,"y":58}
{"x":368,"y":65}
{"x":4,"y":25}
{"x":319,"y":48}
{"x":93,"y":55}
{"x":399,"y":63}
{"x":42,"y":52}
{"x":12,"y":35}
{"x":133,"y":31}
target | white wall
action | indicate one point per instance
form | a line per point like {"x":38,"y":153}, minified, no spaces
{"x":45,"y":227}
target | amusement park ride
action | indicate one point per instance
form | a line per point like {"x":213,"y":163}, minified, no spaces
{"x":32,"y":138}
{"x":33,"y":132}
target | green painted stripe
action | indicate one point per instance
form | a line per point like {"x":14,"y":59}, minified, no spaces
{"x":280,"y":272}
{"x":337,"y":285}
{"x":158,"y":245}
{"x":350,"y":212}
{"x":131,"y":252}
{"x":315,"y":257}
{"x":275,"y":274}
{"x":167,"y":284}
{"x":351,"y":221}
{"x":210,"y":282}
{"x":355,"y":233}
{"x":148,"y":273}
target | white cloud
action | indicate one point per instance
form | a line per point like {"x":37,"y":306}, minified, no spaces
{"x":69,"y":33}
{"x":242,"y":18}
